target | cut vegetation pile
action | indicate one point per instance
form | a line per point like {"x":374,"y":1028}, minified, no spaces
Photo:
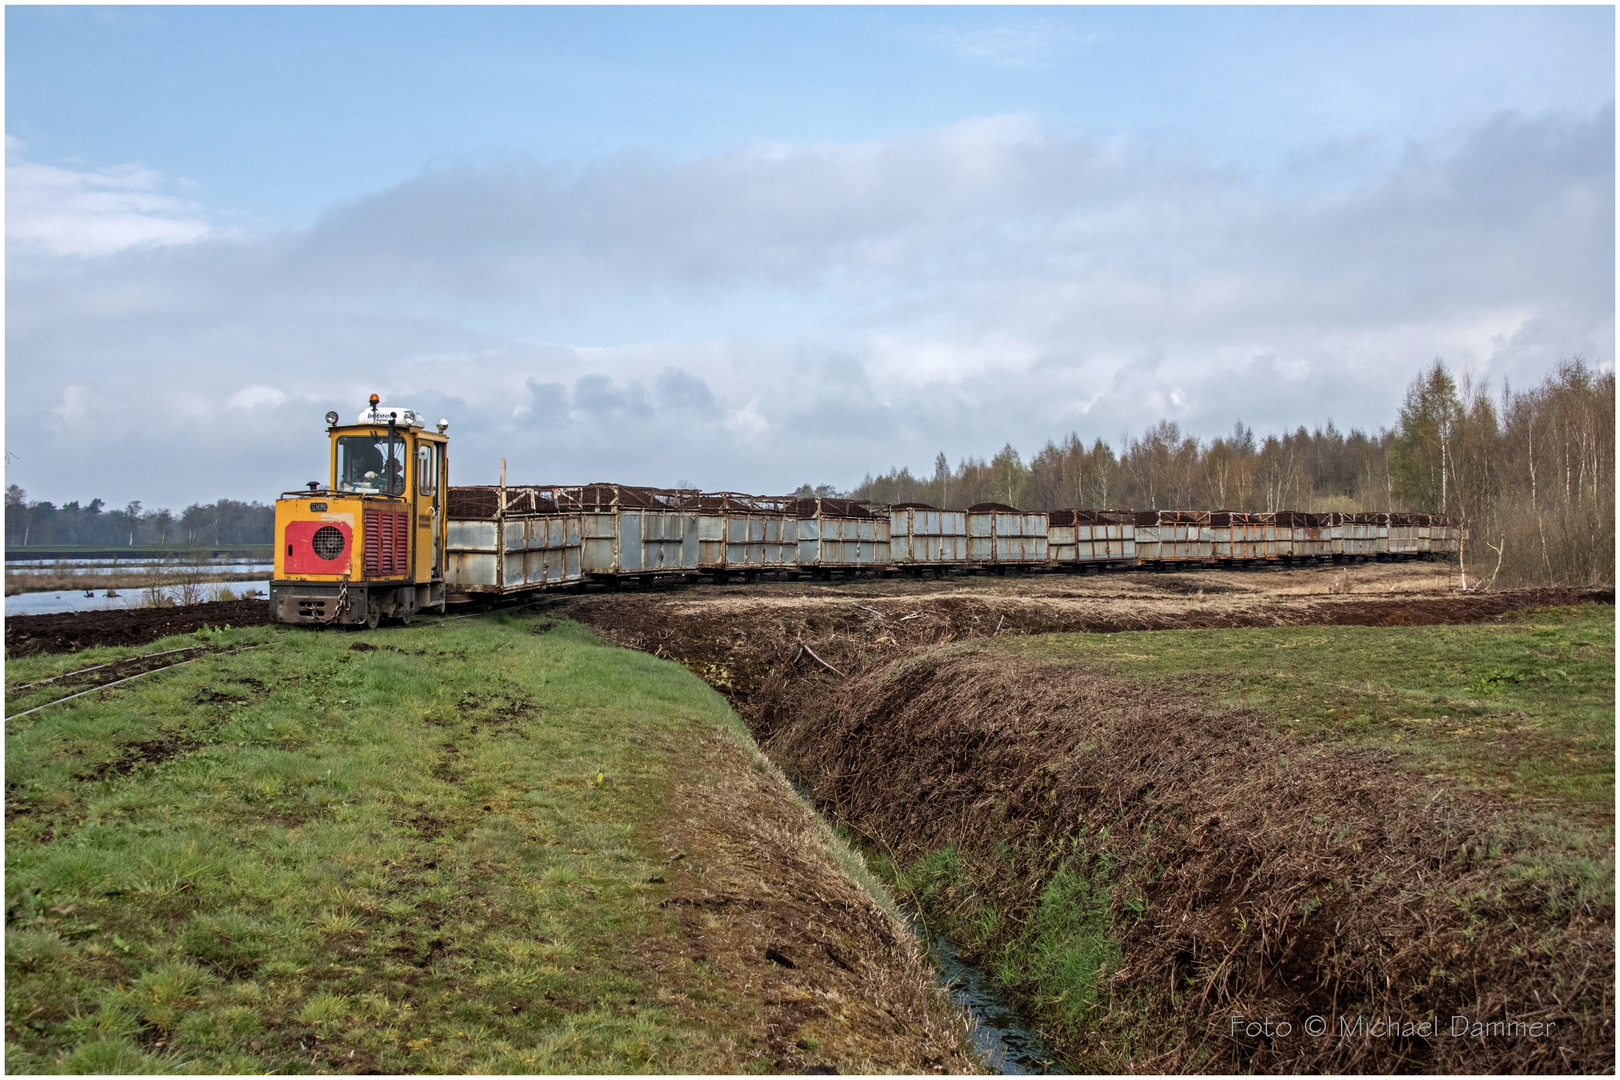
{"x":732,"y":639}
{"x":1243,"y":872}
{"x":1159,"y":839}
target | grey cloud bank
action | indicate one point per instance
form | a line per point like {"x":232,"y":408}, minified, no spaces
{"x":781,"y":314}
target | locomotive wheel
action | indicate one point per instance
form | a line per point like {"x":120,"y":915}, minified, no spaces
{"x":373,"y":616}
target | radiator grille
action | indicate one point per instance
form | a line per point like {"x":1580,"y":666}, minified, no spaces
{"x":388,"y":542}
{"x":327,"y":542}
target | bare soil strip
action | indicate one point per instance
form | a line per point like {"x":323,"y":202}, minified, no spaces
{"x":28,"y":635}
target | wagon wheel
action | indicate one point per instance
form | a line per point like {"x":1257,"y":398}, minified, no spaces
{"x":373,"y":616}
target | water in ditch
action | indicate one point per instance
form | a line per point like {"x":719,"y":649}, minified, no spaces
{"x":1004,"y":1040}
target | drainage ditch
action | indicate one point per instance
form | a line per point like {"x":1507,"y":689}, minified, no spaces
{"x":1001,"y":1035}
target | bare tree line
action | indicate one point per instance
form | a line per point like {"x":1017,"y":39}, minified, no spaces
{"x":1529,"y":473}
{"x":227,"y":521}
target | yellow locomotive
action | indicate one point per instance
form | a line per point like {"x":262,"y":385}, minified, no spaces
{"x":371,"y":543}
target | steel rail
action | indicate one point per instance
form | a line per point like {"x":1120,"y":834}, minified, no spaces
{"x":98,"y":667}
{"x":128,"y":678}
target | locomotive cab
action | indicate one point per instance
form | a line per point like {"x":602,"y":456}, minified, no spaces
{"x":369,"y":544}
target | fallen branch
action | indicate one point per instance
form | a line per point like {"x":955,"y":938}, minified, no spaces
{"x":874,"y":611}
{"x":913,"y":615}
{"x":998,"y":625}
{"x":822,"y":662}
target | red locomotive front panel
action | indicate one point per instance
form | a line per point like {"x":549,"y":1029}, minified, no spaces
{"x":316,"y":547}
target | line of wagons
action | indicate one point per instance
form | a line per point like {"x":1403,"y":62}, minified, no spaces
{"x":508,"y":540}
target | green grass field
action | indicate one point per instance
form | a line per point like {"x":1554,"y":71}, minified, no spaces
{"x":436,"y":849}
{"x":430,"y":849}
{"x":1523,"y":708}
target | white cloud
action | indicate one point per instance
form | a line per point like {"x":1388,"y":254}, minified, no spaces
{"x":63,"y":212}
{"x":910,"y":362}
{"x":749,"y":422}
{"x":757,"y":319}
{"x":70,"y":408}
{"x":251,"y":397}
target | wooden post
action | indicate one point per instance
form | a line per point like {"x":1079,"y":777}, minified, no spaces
{"x":500,"y":535}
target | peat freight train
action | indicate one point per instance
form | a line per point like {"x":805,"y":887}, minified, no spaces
{"x":387,"y":536}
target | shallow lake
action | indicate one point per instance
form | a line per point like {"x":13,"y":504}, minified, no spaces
{"x":127,"y":566}
{"x":54,"y":603}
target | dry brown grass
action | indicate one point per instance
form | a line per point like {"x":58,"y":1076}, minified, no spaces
{"x":762,"y":900}
{"x":1254,"y":874}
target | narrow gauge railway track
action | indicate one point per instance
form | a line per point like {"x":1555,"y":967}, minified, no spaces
{"x":109,"y":664}
{"x":104,"y":684}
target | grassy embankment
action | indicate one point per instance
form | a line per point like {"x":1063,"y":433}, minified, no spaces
{"x":1519,"y":713}
{"x":1522,"y":708}
{"x":434,"y":849}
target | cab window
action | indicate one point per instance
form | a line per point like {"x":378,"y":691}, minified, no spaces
{"x":427,"y":473}
{"x":363,"y":464}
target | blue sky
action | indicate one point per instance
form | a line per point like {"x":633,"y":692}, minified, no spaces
{"x":749,"y":247}
{"x":278,"y":111}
